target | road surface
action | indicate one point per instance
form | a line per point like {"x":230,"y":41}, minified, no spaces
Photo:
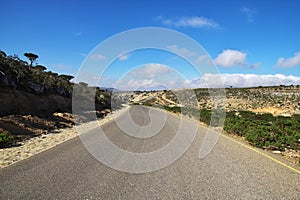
{"x":230,"y":171}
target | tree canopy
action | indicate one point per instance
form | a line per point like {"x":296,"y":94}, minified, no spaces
{"x":31,"y":57}
{"x":40,"y":68}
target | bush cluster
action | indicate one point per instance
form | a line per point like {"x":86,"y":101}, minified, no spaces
{"x":5,"y":140}
{"x":265,"y":130}
{"x":261,"y":130}
{"x":17,"y":73}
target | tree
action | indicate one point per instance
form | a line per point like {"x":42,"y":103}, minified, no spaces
{"x":31,"y":57}
{"x":40,"y":68}
{"x":66,"y":77}
{"x":2,"y":54}
{"x":83,"y":84}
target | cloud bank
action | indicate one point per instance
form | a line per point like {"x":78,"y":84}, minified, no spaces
{"x":211,"y":81}
{"x":243,"y":80}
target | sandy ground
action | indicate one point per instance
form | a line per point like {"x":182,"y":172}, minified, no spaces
{"x":43,"y":142}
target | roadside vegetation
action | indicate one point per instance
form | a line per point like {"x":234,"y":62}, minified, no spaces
{"x":5,"y":140}
{"x":265,"y":130}
{"x":34,"y":78}
{"x":261,"y":130}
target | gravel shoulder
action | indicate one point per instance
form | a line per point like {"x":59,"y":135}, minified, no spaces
{"x":46,"y":141}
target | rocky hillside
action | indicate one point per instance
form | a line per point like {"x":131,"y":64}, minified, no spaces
{"x":277,"y":100}
{"x":20,"y":102}
{"x":32,"y":99}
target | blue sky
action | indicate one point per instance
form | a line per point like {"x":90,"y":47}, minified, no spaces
{"x":260,"y":38}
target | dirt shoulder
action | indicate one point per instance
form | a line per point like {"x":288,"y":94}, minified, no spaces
{"x":39,"y":138}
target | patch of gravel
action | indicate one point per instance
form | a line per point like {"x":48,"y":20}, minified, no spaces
{"x":43,"y":142}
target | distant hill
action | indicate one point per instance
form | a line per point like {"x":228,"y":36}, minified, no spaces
{"x":110,"y":89}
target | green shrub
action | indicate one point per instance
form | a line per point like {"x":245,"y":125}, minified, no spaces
{"x":261,"y":130}
{"x":5,"y":140}
{"x":265,"y":130}
{"x":296,"y":117}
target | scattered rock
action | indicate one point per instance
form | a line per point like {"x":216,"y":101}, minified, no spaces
{"x":276,"y":152}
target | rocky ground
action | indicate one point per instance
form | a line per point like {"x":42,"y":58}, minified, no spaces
{"x":277,"y":100}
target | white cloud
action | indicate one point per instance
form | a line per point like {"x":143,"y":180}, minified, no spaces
{"x":289,"y":62}
{"x":229,"y":58}
{"x":249,"y":13}
{"x":204,"y":59}
{"x":151,"y":70}
{"x":193,"y":21}
{"x":150,"y":76}
{"x":97,"y":57}
{"x":181,"y":51}
{"x":150,"y":84}
{"x":123,"y":57}
{"x":243,"y":80}
{"x":145,"y":83}
{"x":137,"y":84}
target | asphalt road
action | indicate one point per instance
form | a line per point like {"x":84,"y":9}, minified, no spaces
{"x":69,"y":171}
